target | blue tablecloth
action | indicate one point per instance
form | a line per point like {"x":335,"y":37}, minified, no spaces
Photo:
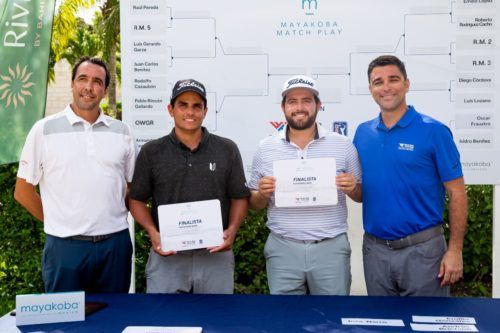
{"x":266,"y":314}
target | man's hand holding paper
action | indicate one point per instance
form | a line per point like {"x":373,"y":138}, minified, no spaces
{"x":190,"y":225}
{"x":305,"y":182}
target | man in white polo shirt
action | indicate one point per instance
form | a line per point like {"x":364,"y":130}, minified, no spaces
{"x":82,"y":161}
{"x":307,"y":251}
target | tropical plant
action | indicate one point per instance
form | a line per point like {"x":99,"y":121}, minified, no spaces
{"x":85,"y":41}
{"x":65,"y":23}
{"x":72,"y":38}
{"x":108,"y":25}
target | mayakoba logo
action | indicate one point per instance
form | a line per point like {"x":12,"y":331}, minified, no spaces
{"x":309,"y":6}
{"x":50,"y":307}
{"x":300,"y":27}
{"x":15,"y":85}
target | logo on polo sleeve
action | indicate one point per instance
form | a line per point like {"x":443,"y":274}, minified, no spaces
{"x":211,"y":166}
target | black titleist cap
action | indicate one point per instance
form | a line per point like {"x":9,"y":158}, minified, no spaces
{"x":182,"y":86}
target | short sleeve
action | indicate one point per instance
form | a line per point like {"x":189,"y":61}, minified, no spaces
{"x":445,"y":154}
{"x":131,"y":155}
{"x":237,"y":182}
{"x":256,"y":173}
{"x":31,"y":160}
{"x":142,"y":185}
{"x":352,"y":161}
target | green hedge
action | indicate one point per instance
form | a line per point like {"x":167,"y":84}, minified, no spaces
{"x":478,"y":244}
{"x":21,"y":243}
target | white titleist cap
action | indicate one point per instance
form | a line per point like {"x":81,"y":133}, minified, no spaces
{"x":299,"y":81}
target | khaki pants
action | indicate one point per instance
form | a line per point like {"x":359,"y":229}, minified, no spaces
{"x":193,"y":271}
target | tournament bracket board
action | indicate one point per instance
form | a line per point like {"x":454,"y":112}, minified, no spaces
{"x":243,"y":52}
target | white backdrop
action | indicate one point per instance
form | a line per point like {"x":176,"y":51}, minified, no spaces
{"x":243,"y":51}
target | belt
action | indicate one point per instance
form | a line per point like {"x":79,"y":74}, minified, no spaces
{"x":418,"y":237}
{"x":93,"y":239}
{"x":302,"y":241}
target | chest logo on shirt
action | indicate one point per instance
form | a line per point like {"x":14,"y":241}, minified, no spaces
{"x":406,"y":146}
{"x":211,"y":166}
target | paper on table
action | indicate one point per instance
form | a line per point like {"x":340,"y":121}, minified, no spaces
{"x":443,"y":327}
{"x":372,"y":322}
{"x":444,"y":320}
{"x":161,"y":329}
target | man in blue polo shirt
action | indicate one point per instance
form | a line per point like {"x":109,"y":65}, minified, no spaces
{"x":409,"y":161}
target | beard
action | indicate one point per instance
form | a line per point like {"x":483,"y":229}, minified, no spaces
{"x":302,"y":124}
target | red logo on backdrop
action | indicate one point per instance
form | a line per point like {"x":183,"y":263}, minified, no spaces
{"x":278,"y":125}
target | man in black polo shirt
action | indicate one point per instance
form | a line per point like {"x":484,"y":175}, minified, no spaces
{"x":189,"y":164}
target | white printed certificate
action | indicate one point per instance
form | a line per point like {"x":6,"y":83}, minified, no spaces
{"x":305,"y":182}
{"x":190,"y":225}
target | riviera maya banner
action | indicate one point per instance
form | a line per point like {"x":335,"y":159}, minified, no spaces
{"x":25,"y":32}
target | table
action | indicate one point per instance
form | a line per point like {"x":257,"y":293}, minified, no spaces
{"x":266,"y":313}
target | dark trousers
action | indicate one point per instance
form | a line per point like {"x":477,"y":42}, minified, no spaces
{"x":100,"y":267}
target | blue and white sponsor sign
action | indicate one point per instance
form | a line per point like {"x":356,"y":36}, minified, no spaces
{"x":50,"y":308}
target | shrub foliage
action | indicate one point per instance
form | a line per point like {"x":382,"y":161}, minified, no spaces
{"x":21,"y":244}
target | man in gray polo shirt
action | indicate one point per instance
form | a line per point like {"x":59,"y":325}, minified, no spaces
{"x":307,"y":250}
{"x":189,"y":164}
